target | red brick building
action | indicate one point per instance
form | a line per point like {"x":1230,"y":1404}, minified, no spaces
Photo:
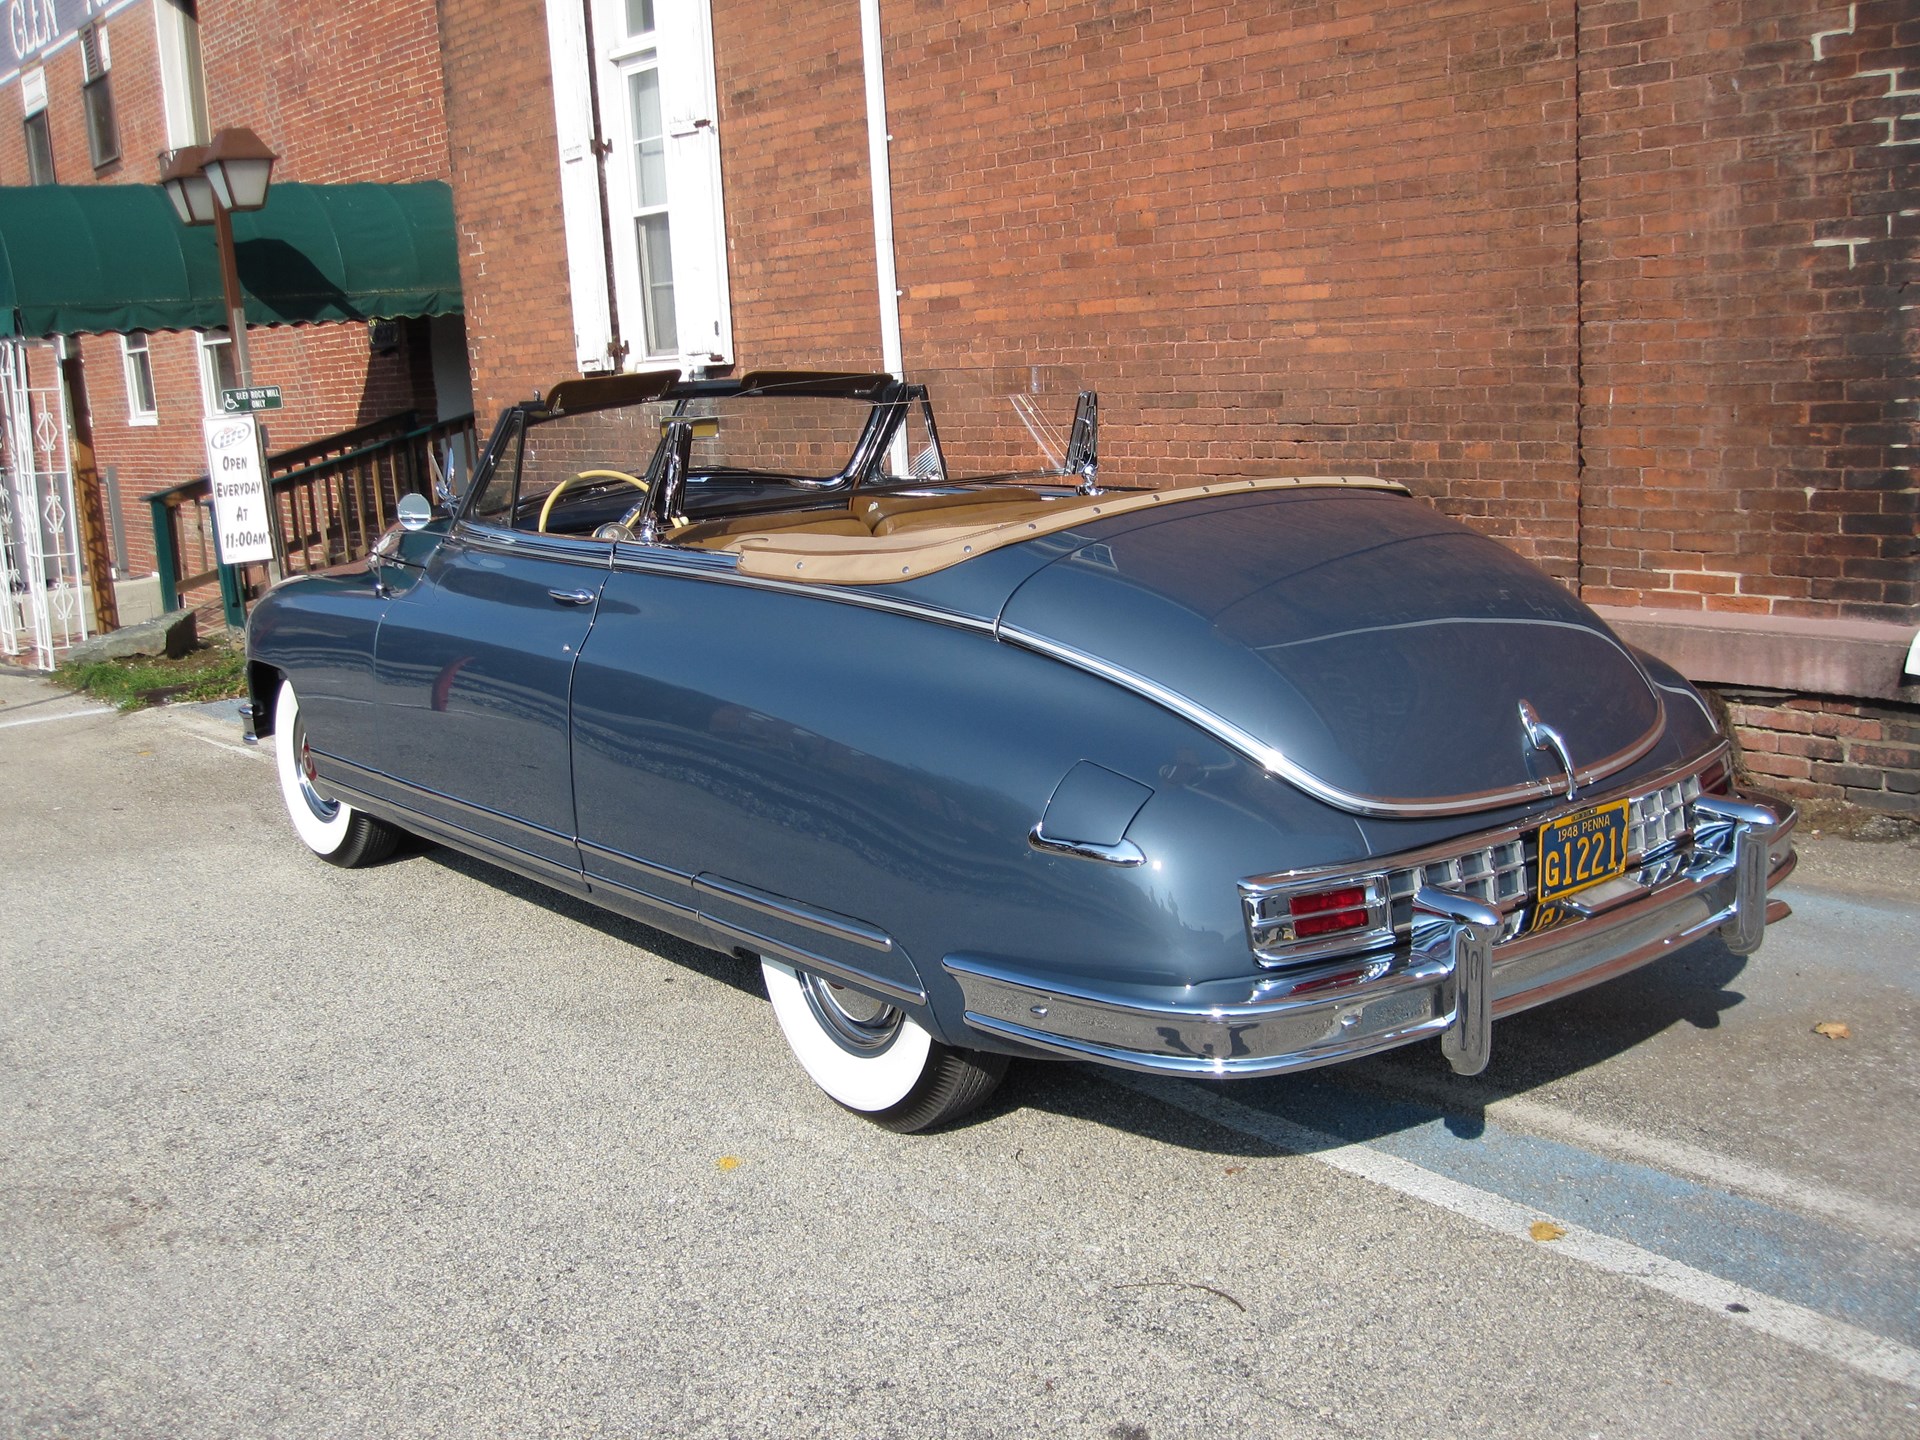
{"x":91,"y":93}
{"x":1625,"y":283}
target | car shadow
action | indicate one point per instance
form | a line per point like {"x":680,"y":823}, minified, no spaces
{"x":713,"y":964}
{"x":1403,"y":1089}
{"x":1350,"y":1103}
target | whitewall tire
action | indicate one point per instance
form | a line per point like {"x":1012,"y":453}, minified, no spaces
{"x":331,"y":828}
{"x":871,"y":1058}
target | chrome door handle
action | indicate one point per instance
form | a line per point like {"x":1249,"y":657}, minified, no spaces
{"x":572,"y":597}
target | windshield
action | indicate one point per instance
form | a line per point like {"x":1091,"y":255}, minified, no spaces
{"x":571,"y":473}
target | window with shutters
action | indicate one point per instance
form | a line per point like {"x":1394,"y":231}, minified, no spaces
{"x":647,"y":197}
{"x":96,"y":64}
{"x":34,"y":127}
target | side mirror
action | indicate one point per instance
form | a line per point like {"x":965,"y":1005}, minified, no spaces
{"x":414,"y":511}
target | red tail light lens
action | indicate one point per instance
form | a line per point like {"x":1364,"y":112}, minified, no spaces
{"x":1328,"y":912}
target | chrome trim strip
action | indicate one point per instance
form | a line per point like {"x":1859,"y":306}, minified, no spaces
{"x":471,"y":842}
{"x":1125,"y":853}
{"x":331,"y":763}
{"x":589,"y":853}
{"x":591,"y":554}
{"x":827,"y":922}
{"x":1276,"y":763}
{"x":820,"y":964}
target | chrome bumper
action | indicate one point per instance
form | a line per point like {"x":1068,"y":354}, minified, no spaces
{"x":1451,"y":981}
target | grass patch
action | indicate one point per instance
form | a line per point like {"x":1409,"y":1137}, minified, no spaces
{"x":207,"y":672}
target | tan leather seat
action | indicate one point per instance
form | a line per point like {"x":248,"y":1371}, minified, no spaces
{"x":712,"y":534}
{"x":877,"y":508}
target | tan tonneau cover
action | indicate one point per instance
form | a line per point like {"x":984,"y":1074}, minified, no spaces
{"x":887,"y":559}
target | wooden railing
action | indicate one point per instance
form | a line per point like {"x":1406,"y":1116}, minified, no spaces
{"x":333,"y":499}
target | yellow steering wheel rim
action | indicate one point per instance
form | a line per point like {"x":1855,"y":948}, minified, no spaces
{"x":546,"y":507}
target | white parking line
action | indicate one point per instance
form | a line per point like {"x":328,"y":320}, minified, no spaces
{"x":1676,"y":1157}
{"x":49,"y":719}
{"x":1836,"y":1340}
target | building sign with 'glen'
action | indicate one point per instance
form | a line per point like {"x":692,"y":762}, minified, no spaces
{"x":36,"y":29}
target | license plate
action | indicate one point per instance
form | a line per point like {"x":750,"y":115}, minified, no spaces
{"x":1580,"y":850}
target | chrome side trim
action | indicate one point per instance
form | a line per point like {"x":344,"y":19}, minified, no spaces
{"x":819,"y":964}
{"x":481,"y":847}
{"x":331,"y":768}
{"x":591,"y":554}
{"x":1125,"y":853}
{"x":826,"y":922}
{"x":1276,"y":763}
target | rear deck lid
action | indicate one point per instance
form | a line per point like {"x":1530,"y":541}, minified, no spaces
{"x":1359,"y":644}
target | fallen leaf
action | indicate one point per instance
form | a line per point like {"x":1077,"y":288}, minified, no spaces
{"x":728,"y":1162}
{"x":1546,"y":1230}
{"x":1833,"y":1030}
{"x":1235,"y":1169}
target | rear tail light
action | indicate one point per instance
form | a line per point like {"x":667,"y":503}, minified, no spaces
{"x":1332,"y":915}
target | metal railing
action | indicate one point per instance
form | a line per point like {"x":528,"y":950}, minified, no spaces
{"x":332,"y":499}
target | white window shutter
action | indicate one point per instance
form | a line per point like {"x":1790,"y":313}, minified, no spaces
{"x":579,"y":185}
{"x":698,"y":219}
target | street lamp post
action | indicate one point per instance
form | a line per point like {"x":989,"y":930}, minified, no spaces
{"x":206,"y":184}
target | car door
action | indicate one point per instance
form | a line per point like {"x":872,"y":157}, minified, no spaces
{"x":474,"y":665}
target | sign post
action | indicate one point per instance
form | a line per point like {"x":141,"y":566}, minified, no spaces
{"x":242,"y":521}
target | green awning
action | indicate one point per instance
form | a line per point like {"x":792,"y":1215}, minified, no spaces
{"x":87,"y":259}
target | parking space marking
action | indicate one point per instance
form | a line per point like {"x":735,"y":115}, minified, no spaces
{"x":49,"y":719}
{"x":1744,"y":1305}
{"x":1676,"y":1157}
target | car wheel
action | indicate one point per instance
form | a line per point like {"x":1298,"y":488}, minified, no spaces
{"x":333,"y":829}
{"x":871,"y":1058}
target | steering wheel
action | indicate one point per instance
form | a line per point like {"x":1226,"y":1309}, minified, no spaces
{"x":546,"y":507}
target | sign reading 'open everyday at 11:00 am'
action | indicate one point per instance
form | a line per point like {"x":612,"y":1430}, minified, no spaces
{"x":239,"y":489}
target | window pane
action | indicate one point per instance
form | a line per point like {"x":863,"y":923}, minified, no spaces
{"x":103,"y":135}
{"x":639,"y":16}
{"x":140,"y":399}
{"x":656,"y":280}
{"x":39,"y":149}
{"x":649,"y":139}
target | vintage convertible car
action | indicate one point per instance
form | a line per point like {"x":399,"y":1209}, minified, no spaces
{"x":1214,"y":779}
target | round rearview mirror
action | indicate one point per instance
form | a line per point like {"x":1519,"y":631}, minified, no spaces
{"x":414,"y":511}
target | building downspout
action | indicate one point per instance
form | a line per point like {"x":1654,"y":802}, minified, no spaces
{"x":881,"y":170}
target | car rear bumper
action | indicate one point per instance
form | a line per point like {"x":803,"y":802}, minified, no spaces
{"x":1450,"y":982}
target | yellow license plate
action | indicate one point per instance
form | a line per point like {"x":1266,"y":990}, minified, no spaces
{"x":1577,"y":851}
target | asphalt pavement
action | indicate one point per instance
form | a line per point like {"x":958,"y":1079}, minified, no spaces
{"x":423,"y":1150}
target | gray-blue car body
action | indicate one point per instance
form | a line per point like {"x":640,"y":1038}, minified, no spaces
{"x":1249,"y":778}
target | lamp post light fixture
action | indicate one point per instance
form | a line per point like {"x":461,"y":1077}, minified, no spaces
{"x":206,"y":184}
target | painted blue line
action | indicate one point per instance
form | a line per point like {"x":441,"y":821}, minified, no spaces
{"x":1791,"y":1257}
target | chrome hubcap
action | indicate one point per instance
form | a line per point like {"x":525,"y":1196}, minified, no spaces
{"x":856,"y":1021}
{"x":322,"y":807}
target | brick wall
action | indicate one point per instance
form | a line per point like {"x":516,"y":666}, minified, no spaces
{"x":1832,"y":750}
{"x":1747,"y":253}
{"x":1339,"y":236}
{"x":505,"y":168}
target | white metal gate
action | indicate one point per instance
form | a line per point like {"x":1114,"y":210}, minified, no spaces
{"x":43,"y":600}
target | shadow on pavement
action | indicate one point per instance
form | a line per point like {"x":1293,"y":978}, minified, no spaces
{"x":1355,"y":1102}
